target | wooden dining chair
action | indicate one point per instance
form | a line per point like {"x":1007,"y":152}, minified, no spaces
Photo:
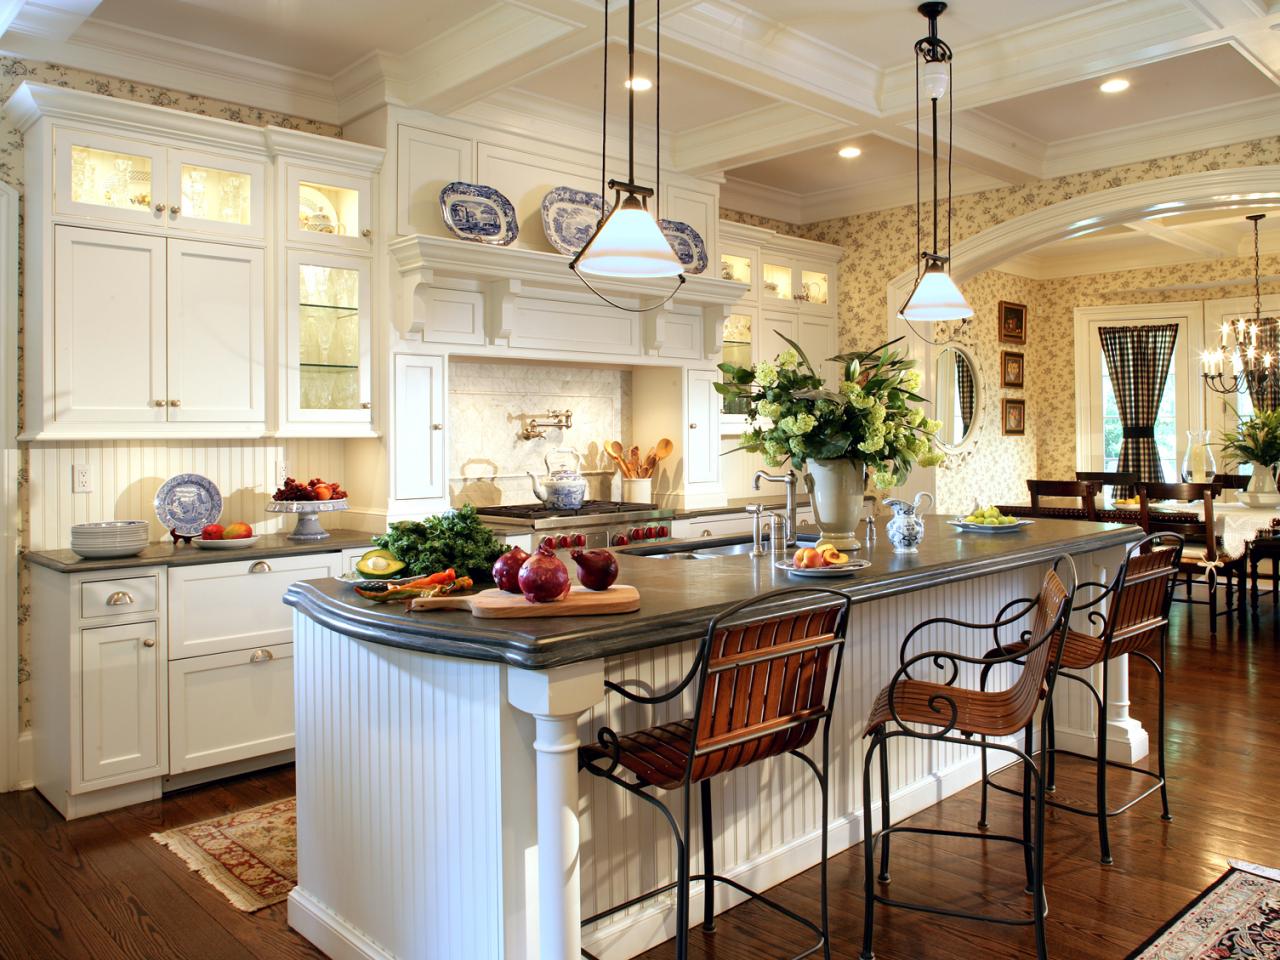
{"x":1109,"y":478}
{"x":943,"y":711}
{"x":1201,"y":562}
{"x":1128,"y":616}
{"x":1231,"y":481}
{"x":1085,"y":490}
{"x":765,"y":677}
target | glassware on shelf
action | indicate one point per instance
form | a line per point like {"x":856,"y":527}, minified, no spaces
{"x":735,"y":268}
{"x":1198,"y":465}
{"x":776,"y":281}
{"x":328,"y":337}
{"x":737,"y":351}
{"x":813,"y":287}
{"x":106,"y":178}
{"x":212,"y":194}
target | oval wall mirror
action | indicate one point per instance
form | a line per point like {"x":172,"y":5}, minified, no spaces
{"x":958,"y":392}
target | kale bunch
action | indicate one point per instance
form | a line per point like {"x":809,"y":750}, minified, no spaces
{"x":456,"y":539}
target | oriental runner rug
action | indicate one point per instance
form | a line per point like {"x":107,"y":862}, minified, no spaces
{"x":250,"y":857}
{"x":1238,"y":918}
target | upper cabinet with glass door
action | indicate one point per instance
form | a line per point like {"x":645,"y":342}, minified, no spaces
{"x":328,"y":209}
{"x":106,"y":178}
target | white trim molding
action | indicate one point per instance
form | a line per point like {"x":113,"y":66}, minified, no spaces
{"x":10,"y":773}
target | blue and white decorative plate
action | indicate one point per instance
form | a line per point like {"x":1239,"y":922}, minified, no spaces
{"x":687,"y":244}
{"x":475,"y":212}
{"x":187,"y":503}
{"x":569,"y":217}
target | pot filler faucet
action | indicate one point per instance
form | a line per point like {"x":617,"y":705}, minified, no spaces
{"x":788,"y":519}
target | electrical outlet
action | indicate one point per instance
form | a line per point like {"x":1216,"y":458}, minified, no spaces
{"x":80,"y":482}
{"x":282,"y":472}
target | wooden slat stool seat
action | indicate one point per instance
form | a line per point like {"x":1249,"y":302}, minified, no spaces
{"x":765,"y":678}
{"x":943,"y":712}
{"x":1135,"y":621}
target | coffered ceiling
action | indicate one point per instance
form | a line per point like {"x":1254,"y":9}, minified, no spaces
{"x":761,"y":92}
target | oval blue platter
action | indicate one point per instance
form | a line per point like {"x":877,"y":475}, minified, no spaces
{"x":187,"y":502}
{"x":569,"y":217}
{"x":472,"y":211}
{"x":687,"y":244}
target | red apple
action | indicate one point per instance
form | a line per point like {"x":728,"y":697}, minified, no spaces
{"x":212,"y":531}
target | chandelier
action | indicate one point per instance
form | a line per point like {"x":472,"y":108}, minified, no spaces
{"x":1240,"y":364}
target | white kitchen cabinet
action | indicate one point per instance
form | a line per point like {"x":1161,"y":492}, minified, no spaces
{"x":327,"y":208}
{"x":216,"y":333}
{"x":109,"y":328}
{"x":419,"y":429}
{"x":326,"y":341}
{"x":105,"y":177}
{"x":230,"y":706}
{"x":702,"y":437}
{"x":220,"y":607}
{"x":120,"y":704}
{"x":212,"y":194}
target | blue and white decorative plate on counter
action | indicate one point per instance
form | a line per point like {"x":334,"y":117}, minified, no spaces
{"x":687,"y":244}
{"x":569,"y":217}
{"x":187,"y":503}
{"x":475,"y":212}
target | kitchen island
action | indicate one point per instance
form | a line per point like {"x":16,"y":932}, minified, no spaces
{"x":440,"y":810}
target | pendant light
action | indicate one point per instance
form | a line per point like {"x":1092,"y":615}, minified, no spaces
{"x":935,"y":295}
{"x":627,"y":242}
{"x":1239,"y":364}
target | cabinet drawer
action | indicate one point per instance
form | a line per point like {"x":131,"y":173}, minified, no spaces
{"x":222,"y":607}
{"x":118,"y":598}
{"x":230,"y":706}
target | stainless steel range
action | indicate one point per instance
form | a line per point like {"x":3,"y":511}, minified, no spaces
{"x":598,"y":523}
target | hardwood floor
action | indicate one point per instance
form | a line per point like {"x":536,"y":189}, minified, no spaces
{"x":100,"y":888}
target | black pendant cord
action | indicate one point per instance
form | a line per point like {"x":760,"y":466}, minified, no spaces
{"x":919,"y":211}
{"x":951,"y":137}
{"x":657,"y":111}
{"x":631,"y":91}
{"x":604,"y":115}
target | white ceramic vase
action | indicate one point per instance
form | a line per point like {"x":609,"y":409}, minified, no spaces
{"x":1262,"y":481}
{"x":835,"y":490}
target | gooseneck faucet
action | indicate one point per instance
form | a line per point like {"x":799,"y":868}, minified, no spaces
{"x":789,"y":520}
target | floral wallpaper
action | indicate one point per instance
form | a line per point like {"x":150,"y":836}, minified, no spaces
{"x":12,"y":73}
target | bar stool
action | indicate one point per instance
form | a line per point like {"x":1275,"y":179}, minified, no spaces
{"x":1137,"y":616}
{"x":943,"y":712}
{"x":766,"y":678}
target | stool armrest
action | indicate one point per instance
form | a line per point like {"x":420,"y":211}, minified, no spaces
{"x":1003,"y":619}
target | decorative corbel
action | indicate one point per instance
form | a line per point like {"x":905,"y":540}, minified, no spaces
{"x":500,"y":307}
{"x":713,"y":318}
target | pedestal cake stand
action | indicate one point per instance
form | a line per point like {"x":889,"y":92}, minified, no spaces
{"x":308,"y":526}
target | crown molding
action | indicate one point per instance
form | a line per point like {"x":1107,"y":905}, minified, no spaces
{"x":50,"y":19}
{"x":761,"y":134}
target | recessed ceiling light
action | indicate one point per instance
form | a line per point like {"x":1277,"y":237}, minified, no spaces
{"x":850,"y":152}
{"x":640,"y":84}
{"x":1114,"y":85}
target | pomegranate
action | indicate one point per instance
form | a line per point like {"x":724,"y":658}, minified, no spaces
{"x":506,"y":569}
{"x":597,"y":569}
{"x":543,"y":577}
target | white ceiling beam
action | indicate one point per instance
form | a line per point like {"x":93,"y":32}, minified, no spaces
{"x":982,"y":144}
{"x":1183,"y":237}
{"x":751,"y":137}
{"x":50,"y":19}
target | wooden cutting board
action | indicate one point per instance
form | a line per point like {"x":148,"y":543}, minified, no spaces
{"x":496,"y":604}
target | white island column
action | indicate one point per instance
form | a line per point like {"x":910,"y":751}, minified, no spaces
{"x":556,"y":699}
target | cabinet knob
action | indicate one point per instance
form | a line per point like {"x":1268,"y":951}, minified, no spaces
{"x":121,"y":598}
{"x":175,"y":403}
{"x":159,"y":208}
{"x":693,"y":426}
{"x":149,"y":642}
{"x":366,"y":233}
{"x":158,"y":403}
{"x":365,"y":405}
{"x":175,"y":210}
{"x":437,"y":426}
{"x":706,"y":533}
{"x":260,"y":566}
{"x":261,"y":656}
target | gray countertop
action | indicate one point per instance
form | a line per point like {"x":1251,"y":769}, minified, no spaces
{"x":166,"y":554}
{"x":678,"y":597}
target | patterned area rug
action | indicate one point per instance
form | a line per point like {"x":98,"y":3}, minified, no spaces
{"x":251,"y":857}
{"x":1238,"y":918}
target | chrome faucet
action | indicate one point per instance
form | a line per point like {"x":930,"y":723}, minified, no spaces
{"x":789,"y":520}
{"x":760,"y":518}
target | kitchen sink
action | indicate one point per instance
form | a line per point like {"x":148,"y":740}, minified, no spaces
{"x":707,"y":548}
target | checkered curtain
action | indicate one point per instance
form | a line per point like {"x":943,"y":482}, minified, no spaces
{"x":1266,"y":395}
{"x":964,"y":387}
{"x":1138,"y":363}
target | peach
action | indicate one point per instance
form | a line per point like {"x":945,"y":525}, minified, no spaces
{"x":237,"y":531}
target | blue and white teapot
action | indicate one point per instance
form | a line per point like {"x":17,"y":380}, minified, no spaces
{"x":906,"y":529}
{"x":565,"y":486}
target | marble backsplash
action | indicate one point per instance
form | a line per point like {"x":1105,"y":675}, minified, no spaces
{"x":489,"y":402}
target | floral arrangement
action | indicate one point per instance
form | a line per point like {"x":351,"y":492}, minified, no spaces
{"x":869,"y":418}
{"x":1256,"y":439}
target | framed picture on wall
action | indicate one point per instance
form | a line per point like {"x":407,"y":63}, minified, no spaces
{"x":1013,"y":417}
{"x":1013,"y":369}
{"x":1013,"y":322}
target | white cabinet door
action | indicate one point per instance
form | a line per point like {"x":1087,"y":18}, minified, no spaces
{"x":110,"y":178}
{"x":419,"y":433}
{"x":230,"y":706}
{"x":767,"y":343}
{"x":216,"y":333}
{"x":109,"y":327}
{"x":219,"y":607}
{"x":817,"y":338}
{"x":329,"y":209}
{"x":120,"y":704}
{"x":214,"y":194}
{"x":702,"y":438}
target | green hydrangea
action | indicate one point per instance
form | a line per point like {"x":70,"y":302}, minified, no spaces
{"x":766,"y":373}
{"x":932,"y":426}
{"x":788,"y":359}
{"x":775,"y":452}
{"x":769,"y":409}
{"x":797,"y":425}
{"x":883,"y":480}
{"x":911,"y":381}
{"x":851,"y":389}
{"x":933,"y":458}
{"x":915,"y":417}
{"x":874,"y":440}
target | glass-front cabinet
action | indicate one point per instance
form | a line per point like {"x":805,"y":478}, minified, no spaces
{"x":328,"y":209}
{"x":213,"y":194}
{"x":738,"y":327}
{"x":776,"y":281}
{"x":328,"y":339}
{"x":109,"y":178}
{"x":814,"y":288}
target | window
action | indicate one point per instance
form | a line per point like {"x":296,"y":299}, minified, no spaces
{"x":1166,"y":425}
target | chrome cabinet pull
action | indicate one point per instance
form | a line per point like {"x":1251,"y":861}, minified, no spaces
{"x":149,"y":642}
{"x":121,"y":598}
{"x":261,"y":656}
{"x":706,"y":533}
{"x":260,"y":566}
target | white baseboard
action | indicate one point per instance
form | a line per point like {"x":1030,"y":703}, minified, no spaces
{"x":637,"y":933}
{"x":26,"y":761}
{"x":328,"y":932}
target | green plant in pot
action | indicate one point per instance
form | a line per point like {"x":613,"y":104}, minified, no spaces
{"x":870,"y":427}
{"x":1257,"y":441}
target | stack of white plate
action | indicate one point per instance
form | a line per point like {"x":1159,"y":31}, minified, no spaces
{"x":112,"y":538}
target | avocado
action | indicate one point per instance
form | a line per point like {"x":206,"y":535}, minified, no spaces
{"x":379,"y":565}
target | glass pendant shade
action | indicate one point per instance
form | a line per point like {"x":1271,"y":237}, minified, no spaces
{"x":937,"y":78}
{"x":935,"y":298}
{"x":629,"y":244}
